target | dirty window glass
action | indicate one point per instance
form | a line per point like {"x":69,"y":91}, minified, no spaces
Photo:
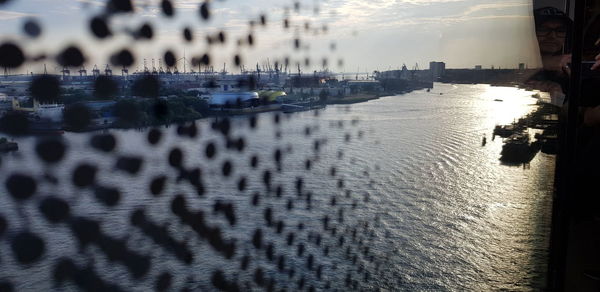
{"x":295,"y":145}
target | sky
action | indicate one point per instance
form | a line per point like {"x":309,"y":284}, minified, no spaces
{"x":350,"y":35}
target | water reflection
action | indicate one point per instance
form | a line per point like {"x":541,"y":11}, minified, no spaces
{"x":398,"y":194}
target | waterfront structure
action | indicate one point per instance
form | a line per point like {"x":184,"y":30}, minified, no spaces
{"x":402,"y":80}
{"x":222,"y":89}
{"x":45,"y":112}
{"x":437,"y":70}
{"x":224,"y":99}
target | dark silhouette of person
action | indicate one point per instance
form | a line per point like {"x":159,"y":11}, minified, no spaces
{"x":552,"y":28}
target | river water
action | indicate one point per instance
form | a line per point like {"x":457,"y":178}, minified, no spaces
{"x":424,"y":206}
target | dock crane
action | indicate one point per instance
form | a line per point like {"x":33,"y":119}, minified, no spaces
{"x":65,"y":72}
{"x":269,"y":69}
{"x":107,"y":71}
{"x":160,"y":67}
{"x":96,"y":71}
{"x":414,"y":71}
{"x":154,"y":68}
{"x":257,"y":71}
{"x":404,"y":72}
{"x":146,"y":70}
{"x":185,"y":61}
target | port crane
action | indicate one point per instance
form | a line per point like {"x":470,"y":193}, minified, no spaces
{"x":154,"y":68}
{"x":413,"y":73}
{"x":146,"y":70}
{"x":160,"y":67}
{"x":185,"y":63}
{"x":107,"y":71}
{"x":65,"y":72}
{"x":96,"y":71}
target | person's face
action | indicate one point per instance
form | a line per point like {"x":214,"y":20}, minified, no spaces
{"x":551,"y":37}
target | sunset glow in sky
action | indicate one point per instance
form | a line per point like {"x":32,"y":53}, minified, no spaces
{"x":366,"y":35}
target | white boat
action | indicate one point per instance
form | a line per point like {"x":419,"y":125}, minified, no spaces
{"x":232,"y":98}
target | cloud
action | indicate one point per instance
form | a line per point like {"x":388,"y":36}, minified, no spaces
{"x":380,"y":14}
{"x":92,"y":2}
{"x":494,"y":6}
{"x":187,"y":4}
{"x":410,"y":23}
{"x":429,"y":2}
{"x":150,"y":12}
{"x":8,"y":15}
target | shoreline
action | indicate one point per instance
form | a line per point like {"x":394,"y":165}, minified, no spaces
{"x":517,"y":148}
{"x":352,"y":99}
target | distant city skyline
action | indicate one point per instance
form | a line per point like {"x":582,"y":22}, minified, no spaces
{"x":367,"y":36}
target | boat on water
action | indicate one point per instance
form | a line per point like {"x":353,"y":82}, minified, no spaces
{"x":301,"y":106}
{"x":497,"y":99}
{"x":518,"y":149}
{"x":43,"y":118}
{"x":505,"y":131}
{"x":7,"y":146}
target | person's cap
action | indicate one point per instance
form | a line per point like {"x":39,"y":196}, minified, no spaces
{"x":545,"y":14}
